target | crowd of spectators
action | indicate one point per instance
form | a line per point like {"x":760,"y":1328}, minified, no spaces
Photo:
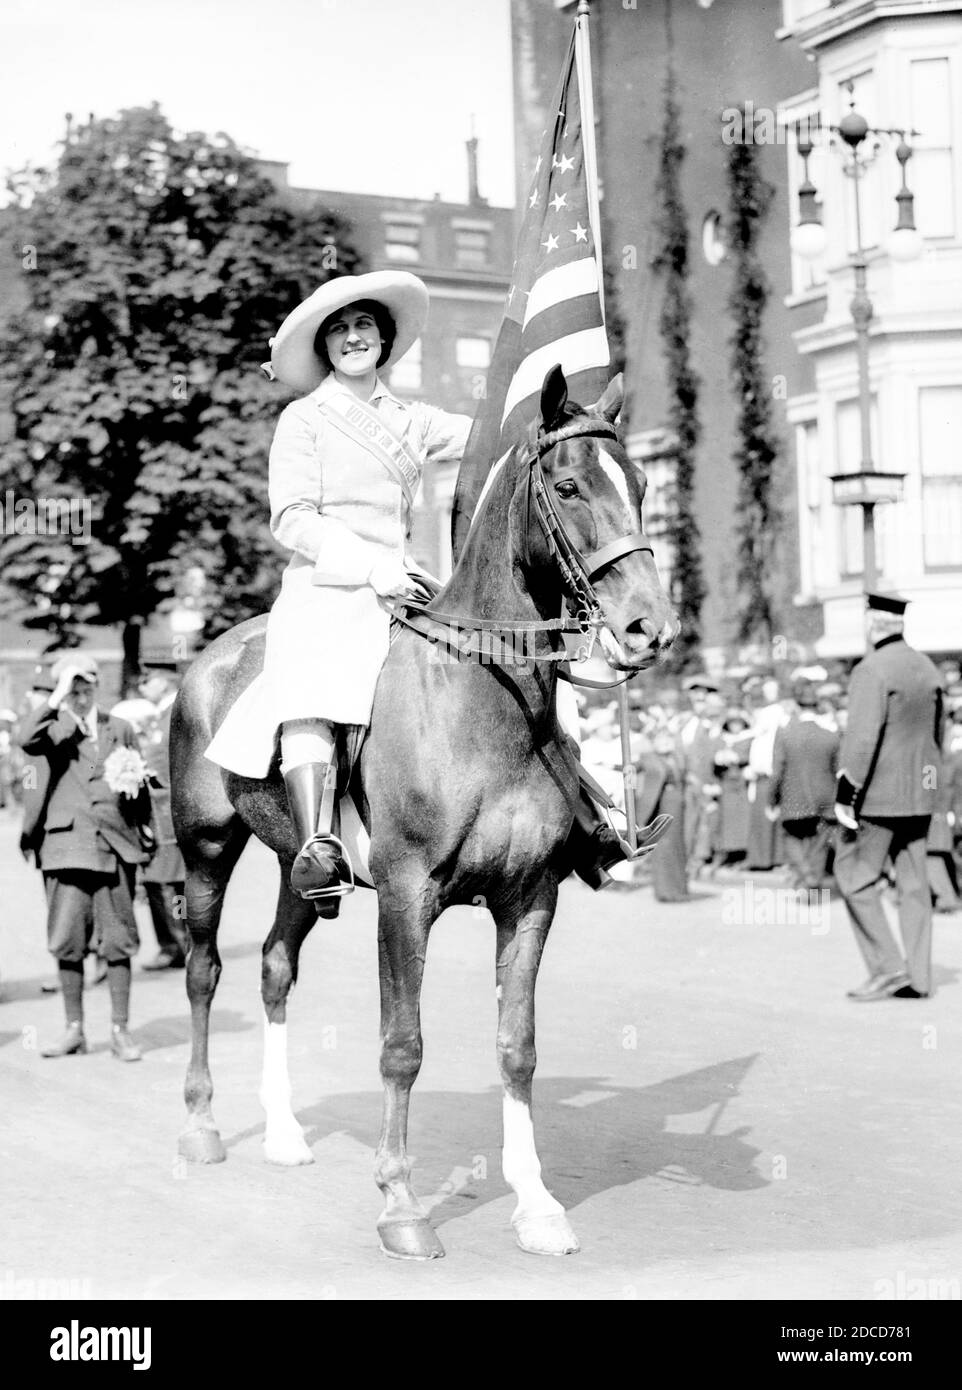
{"x":746,"y":766}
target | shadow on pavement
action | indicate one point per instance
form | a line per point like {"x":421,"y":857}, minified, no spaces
{"x":592,"y":1136}
{"x":173,"y":1031}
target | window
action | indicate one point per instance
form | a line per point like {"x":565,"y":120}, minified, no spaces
{"x":816,"y":554}
{"x":473,"y":353}
{"x":402,"y":239}
{"x":473,"y":358}
{"x":940,"y":429}
{"x":472,"y":244}
{"x":406,"y":374}
{"x":848,"y":455}
{"x":929,"y":172}
{"x":713,"y":239}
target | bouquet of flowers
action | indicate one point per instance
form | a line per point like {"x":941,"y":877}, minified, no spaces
{"x":125,"y":771}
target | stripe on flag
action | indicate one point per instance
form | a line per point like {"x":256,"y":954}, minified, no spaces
{"x":556,"y":323}
{"x":563,"y":282}
{"x":576,"y":353}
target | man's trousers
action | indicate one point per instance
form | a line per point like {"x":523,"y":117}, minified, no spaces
{"x":860,"y":858}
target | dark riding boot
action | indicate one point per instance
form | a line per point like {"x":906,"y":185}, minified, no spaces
{"x":322,"y":869}
{"x":596,"y":846}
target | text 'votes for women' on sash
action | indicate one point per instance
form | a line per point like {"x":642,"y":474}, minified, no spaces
{"x":364,"y":426}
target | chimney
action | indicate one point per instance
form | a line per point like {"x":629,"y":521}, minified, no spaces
{"x":472,"y":147}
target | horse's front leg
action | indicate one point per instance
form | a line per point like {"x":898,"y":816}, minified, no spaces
{"x":539,"y":1220}
{"x":404,"y":922}
{"x":209,"y":867}
{"x":284,"y":1140}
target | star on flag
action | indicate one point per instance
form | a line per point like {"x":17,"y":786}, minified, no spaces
{"x":553,"y":312}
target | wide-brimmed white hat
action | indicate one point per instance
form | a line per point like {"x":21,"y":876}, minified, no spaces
{"x":403,"y":295}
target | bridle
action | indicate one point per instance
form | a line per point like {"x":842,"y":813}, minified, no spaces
{"x":577,"y":571}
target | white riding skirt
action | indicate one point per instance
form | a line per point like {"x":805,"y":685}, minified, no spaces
{"x":325,"y":648}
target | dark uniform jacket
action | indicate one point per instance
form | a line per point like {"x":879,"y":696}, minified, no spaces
{"x":79,"y":824}
{"x":804,"y":764}
{"x":890,"y":749}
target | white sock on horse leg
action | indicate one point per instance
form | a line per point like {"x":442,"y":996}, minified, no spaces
{"x":306,"y":741}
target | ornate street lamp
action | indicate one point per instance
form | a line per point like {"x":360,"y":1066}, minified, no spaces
{"x":867,"y":487}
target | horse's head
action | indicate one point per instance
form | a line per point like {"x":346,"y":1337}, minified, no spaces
{"x":597,"y":494}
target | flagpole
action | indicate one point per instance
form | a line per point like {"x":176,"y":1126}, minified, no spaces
{"x":586,"y":97}
{"x":627,"y":766}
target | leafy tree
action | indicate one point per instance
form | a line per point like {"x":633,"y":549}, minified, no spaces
{"x":155,"y":268}
{"x":756,"y":455}
{"x":671,"y":260}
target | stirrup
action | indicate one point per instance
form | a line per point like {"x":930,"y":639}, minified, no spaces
{"x":620,"y":850}
{"x":343,"y":870}
{"x":648,"y":836}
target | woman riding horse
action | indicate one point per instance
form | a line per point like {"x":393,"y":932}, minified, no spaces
{"x":345,"y":464}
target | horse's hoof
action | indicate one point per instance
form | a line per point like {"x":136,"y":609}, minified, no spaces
{"x":546,"y":1235}
{"x":288,"y":1148}
{"x":410,"y":1240}
{"x":201,"y":1146}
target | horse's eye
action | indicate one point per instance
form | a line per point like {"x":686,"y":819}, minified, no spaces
{"x":566,"y":490}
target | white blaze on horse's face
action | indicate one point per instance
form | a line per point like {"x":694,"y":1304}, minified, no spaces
{"x":616,"y":476}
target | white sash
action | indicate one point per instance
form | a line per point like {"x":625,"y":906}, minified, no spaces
{"x":366,"y":427}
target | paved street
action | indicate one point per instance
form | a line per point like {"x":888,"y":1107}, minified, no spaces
{"x":719,"y":1121}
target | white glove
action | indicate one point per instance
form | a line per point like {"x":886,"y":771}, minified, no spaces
{"x":389,"y":579}
{"x":845,"y":816}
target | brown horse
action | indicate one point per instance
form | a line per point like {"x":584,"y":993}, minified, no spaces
{"x":467,"y":785}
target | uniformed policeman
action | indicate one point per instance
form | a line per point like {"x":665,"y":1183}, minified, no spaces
{"x":889,"y":767}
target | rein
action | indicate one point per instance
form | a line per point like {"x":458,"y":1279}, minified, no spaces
{"x":577,"y":570}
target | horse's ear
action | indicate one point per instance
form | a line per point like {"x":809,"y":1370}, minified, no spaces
{"x":554,"y":396}
{"x":612,"y":400}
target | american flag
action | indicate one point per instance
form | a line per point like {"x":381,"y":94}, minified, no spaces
{"x":553,"y":310}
